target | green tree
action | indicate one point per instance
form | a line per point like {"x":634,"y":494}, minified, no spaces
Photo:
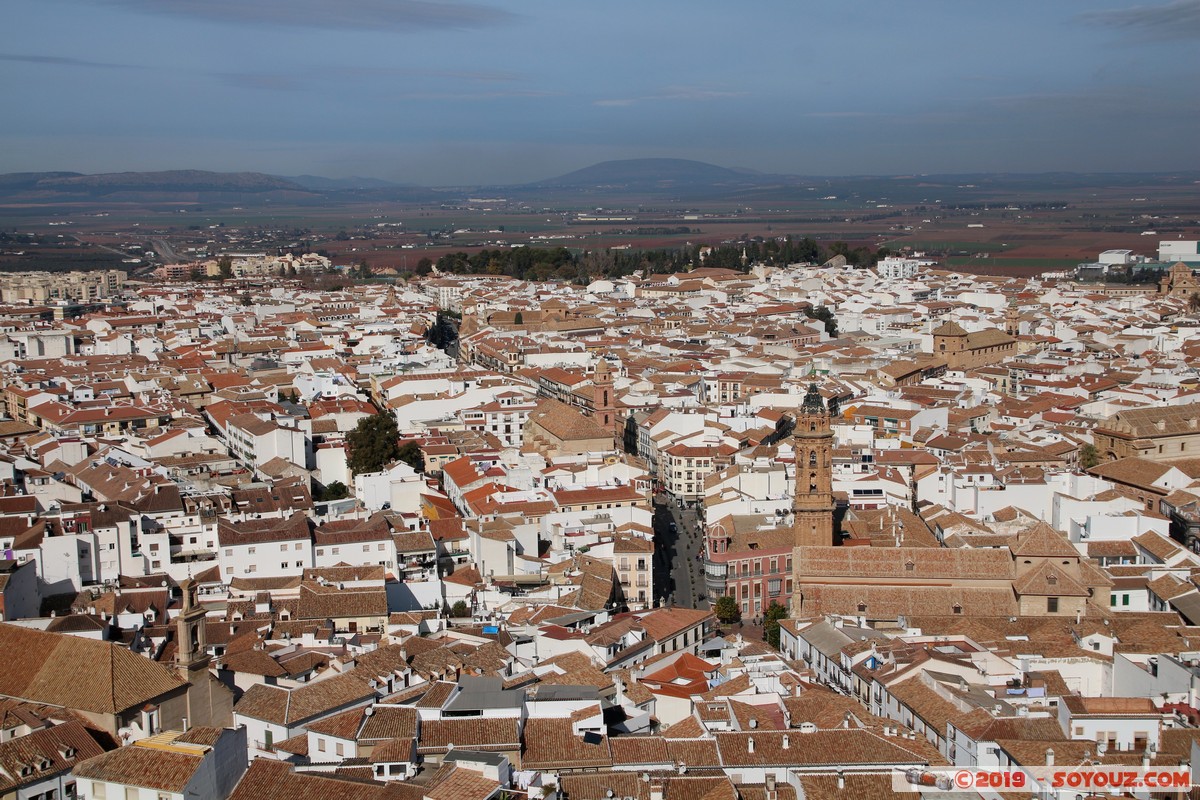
{"x":425,"y":266}
{"x":334,"y":491}
{"x":519,"y":319}
{"x":373,"y":444}
{"x":246,"y":299}
{"x":1089,"y":456}
{"x":225,"y":265}
{"x":444,"y":333}
{"x":410,"y":453}
{"x":727,"y":610}
{"x":460,"y":609}
{"x":771,"y":617}
{"x":824,"y":315}
{"x":1194,"y":302}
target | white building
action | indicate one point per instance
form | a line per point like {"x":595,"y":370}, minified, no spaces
{"x":268,"y":548}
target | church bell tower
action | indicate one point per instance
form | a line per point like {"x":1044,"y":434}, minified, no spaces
{"x":812,"y":506}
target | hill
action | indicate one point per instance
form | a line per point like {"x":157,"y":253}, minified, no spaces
{"x":168,"y":181}
{"x":652,"y":174}
{"x":318,"y":184}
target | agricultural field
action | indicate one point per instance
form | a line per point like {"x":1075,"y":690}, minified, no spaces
{"x":1014,"y":228}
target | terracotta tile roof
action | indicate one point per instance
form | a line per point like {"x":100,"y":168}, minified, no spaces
{"x":146,"y":767}
{"x":398,"y":750}
{"x":268,"y":779}
{"x":566,"y":423}
{"x":832,"y":748}
{"x":552,"y":744}
{"x":879,"y":562}
{"x":860,"y":787}
{"x":1049,"y":580}
{"x":686,"y":728}
{"x":456,"y":783}
{"x":473,"y":733}
{"x":79,"y":673}
{"x":46,"y":746}
{"x":1041,"y":540}
{"x":389,"y":722}
{"x":639,"y":750}
{"x":292,"y":706}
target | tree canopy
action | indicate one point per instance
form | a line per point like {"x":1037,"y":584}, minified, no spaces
{"x":727,"y":610}
{"x":771,"y":617}
{"x":373,"y":444}
{"x":410,"y":453}
{"x":559,"y":263}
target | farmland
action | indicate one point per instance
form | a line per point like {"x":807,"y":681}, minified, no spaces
{"x":990,"y":227}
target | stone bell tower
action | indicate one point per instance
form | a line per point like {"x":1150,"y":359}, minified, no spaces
{"x":208,"y":702}
{"x":812,"y":506}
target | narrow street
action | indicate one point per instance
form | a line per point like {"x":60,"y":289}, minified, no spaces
{"x":679,"y":571}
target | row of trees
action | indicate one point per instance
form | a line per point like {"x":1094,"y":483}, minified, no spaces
{"x":559,"y":263}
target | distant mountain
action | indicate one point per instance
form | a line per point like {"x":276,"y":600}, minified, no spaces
{"x":170,"y":181}
{"x":654,"y":174}
{"x":319,"y":184}
{"x":15,"y":181}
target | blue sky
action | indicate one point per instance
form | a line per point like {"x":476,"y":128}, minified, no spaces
{"x":441,"y":93}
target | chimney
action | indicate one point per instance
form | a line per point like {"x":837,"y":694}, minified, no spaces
{"x":1049,"y":756}
{"x":1146,"y":758}
{"x":656,"y":789}
{"x":787,"y":742}
{"x":841,"y":780}
{"x":750,"y":745}
{"x":753,"y":723}
{"x":770,"y":781}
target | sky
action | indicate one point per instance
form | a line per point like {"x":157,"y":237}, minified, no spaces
{"x":442,"y":93}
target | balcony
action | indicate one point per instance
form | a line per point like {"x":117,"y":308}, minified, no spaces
{"x":715,"y":579}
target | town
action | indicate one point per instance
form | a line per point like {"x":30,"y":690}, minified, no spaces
{"x":769,"y":531}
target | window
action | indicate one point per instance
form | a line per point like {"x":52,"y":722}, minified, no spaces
{"x":299,"y":546}
{"x":321,"y":745}
{"x":340,"y":749}
{"x":335,"y":550}
{"x":1052,"y":605}
{"x":250,"y":551}
{"x":99,"y":791}
{"x":283,"y":546}
{"x":228,"y":551}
